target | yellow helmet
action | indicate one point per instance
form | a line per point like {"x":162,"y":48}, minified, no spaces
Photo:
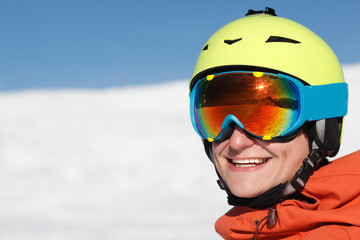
{"x":262,"y":39}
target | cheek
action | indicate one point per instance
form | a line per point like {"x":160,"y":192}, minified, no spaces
{"x":299,"y":147}
{"x":218,"y":148}
{"x":292,"y":154}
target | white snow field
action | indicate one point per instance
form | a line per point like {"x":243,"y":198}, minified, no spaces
{"x":121,"y":163}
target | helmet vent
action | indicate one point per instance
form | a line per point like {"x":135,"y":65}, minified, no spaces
{"x":205,"y":47}
{"x":232,"y":41}
{"x":281,"y":39}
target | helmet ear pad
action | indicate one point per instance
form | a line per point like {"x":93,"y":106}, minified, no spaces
{"x":208,"y":149}
{"x":325,"y":134}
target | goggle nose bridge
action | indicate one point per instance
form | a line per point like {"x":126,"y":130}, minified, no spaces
{"x":228,"y":126}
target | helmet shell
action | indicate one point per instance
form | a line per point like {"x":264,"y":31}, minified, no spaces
{"x":296,"y":50}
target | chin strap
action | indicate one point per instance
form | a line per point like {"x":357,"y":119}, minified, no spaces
{"x":310,"y":164}
{"x":265,"y":200}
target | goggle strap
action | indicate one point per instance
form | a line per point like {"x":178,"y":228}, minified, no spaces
{"x":326,"y":101}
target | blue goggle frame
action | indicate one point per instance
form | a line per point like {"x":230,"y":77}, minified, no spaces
{"x":316,"y":102}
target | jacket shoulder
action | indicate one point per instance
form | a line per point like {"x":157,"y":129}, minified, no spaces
{"x":336,"y":184}
{"x":349,"y":164}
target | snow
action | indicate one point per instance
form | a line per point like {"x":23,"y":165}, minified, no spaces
{"x":121,"y":163}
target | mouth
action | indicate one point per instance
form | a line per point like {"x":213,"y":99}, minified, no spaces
{"x":252,"y":162}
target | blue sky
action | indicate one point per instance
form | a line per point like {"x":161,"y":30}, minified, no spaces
{"x":97,"y":44}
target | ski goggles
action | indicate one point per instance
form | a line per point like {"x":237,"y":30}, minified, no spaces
{"x":264,"y":105}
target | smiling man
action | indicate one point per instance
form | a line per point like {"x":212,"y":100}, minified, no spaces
{"x":268,"y":98}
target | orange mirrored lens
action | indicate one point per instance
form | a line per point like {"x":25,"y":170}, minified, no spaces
{"x":267,"y":105}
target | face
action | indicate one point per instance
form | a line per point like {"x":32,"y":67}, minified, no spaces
{"x":251,"y":166}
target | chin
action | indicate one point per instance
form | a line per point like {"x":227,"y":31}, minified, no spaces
{"x":244,"y":193}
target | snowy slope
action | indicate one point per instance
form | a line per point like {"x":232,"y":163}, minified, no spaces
{"x":113,"y":164}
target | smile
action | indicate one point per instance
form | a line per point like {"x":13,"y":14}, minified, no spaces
{"x":248,"y":162}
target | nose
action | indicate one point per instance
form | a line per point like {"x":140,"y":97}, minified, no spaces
{"x":239,"y":140}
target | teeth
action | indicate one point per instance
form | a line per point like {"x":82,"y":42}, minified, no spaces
{"x":248,"y":162}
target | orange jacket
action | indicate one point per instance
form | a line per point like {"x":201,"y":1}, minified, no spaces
{"x":333,"y":213}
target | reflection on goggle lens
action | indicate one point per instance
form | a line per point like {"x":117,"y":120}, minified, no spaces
{"x":266,"y":105}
